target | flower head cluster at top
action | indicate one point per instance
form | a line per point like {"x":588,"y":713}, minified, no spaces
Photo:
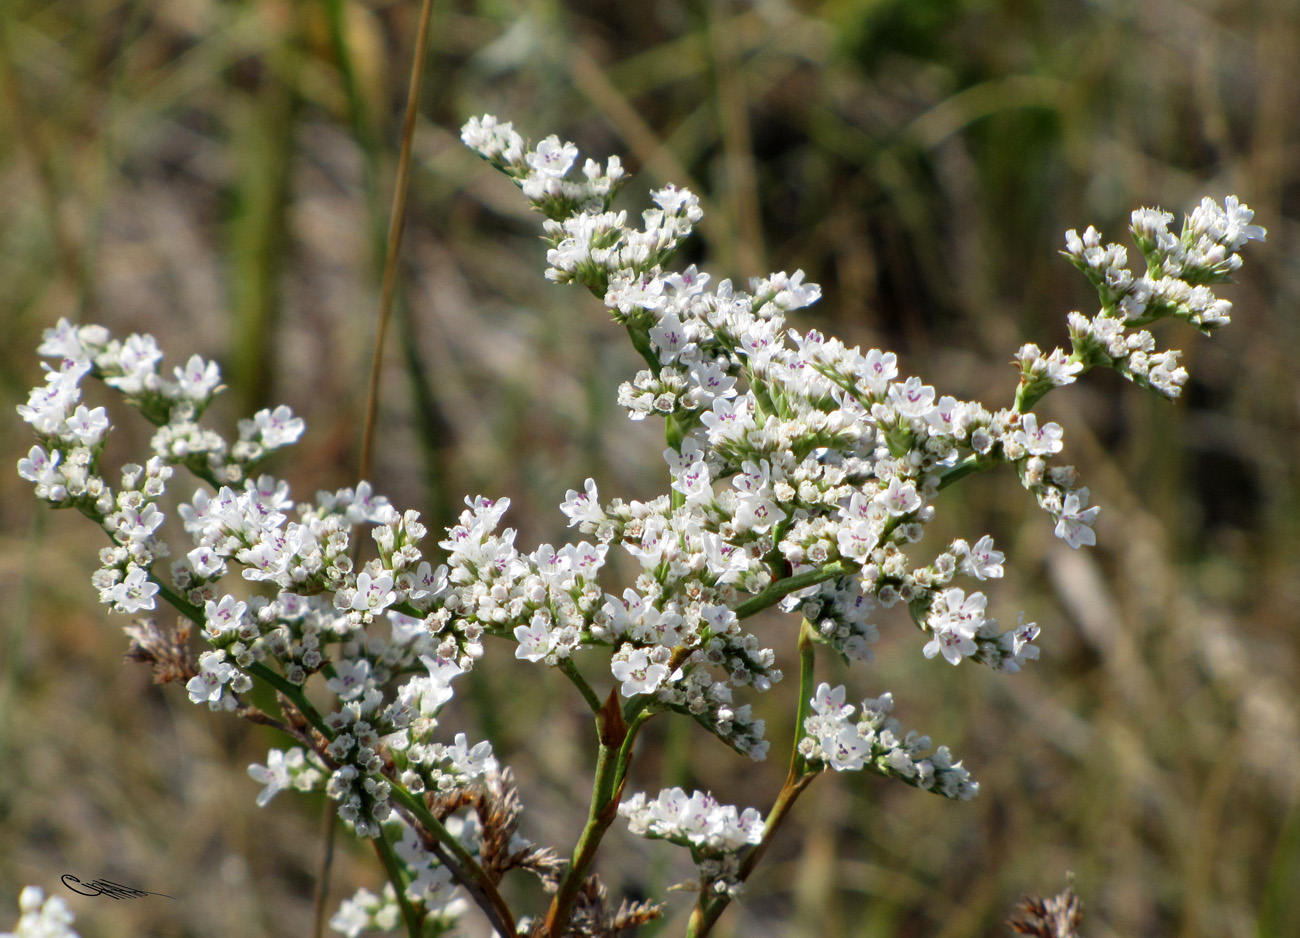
{"x":794,"y":454}
{"x":804,"y":471}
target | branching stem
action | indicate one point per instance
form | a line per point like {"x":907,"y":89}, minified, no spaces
{"x":616,"y":736}
{"x":463,"y":867}
{"x":711,"y":906}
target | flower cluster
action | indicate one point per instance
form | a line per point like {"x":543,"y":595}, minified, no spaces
{"x":792,"y":454}
{"x":713,"y":832}
{"x":877,"y":742}
{"x":697,"y":821}
{"x":319,"y":614}
{"x":801,"y":474}
{"x":542,"y":173}
{"x":41,"y":917}
{"x":803,"y":470}
{"x":1180,"y":269}
{"x":430,"y":886}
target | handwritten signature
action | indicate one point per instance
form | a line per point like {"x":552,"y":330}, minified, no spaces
{"x":105,"y":887}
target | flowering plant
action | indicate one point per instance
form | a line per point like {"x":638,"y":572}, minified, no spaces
{"x":801,"y":475}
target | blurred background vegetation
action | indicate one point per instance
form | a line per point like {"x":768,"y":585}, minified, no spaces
{"x":218,"y":174}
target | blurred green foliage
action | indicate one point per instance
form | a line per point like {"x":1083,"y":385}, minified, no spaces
{"x":218,"y":174}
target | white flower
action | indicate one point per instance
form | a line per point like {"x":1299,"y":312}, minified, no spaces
{"x":198,"y":380}
{"x":138,"y":360}
{"x":791,"y":292}
{"x":136,"y":525}
{"x":846,"y":750}
{"x":134,"y":593}
{"x":1061,"y":369}
{"x":552,"y":159}
{"x":953,"y":643}
{"x":1036,"y":440}
{"x":954,"y":620}
{"x":981,"y":561}
{"x":442,"y":671}
{"x":226,"y":615}
{"x":374,"y":594}
{"x":1150,"y":223}
{"x":47,"y":406}
{"x":353,"y":677}
{"x":829,"y":702}
{"x":470,"y":762}
{"x":912,"y":398}
{"x":877,"y":370}
{"x":493,"y":139}
{"x":583,"y":506}
{"x":1074,"y":522}
{"x":65,"y":341}
{"x":638,"y":674}
{"x":949,"y":417}
{"x":278,"y":427}
{"x":86,"y":426}
{"x":534,"y":639}
{"x":899,"y":498}
{"x":670,"y":338}
{"x":274,"y":775}
{"x":41,"y":917}
{"x":728,"y":420}
{"x":858,"y":539}
{"x":427,"y":582}
{"x":711,"y":382}
{"x":1237,"y":230}
{"x":209,"y":684}
{"x":356,"y":914}
{"x":1020,"y":649}
{"x":678,"y":201}
{"x":43,"y":469}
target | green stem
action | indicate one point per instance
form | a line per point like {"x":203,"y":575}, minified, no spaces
{"x":616,"y":737}
{"x":295,"y":695}
{"x":186,"y":608}
{"x":971,"y":464}
{"x":807,"y":659}
{"x":641,"y":342}
{"x":393,"y":867}
{"x":573,"y":674}
{"x":711,"y":906}
{"x":463,"y":867}
{"x":1028,"y":394}
{"x":783,"y":588}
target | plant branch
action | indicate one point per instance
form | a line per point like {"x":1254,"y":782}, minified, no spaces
{"x":710,"y":907}
{"x":393,"y":867}
{"x":615,"y":738}
{"x":294,"y":693}
{"x":571,"y":671}
{"x":467,"y":871}
{"x":792,"y":584}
